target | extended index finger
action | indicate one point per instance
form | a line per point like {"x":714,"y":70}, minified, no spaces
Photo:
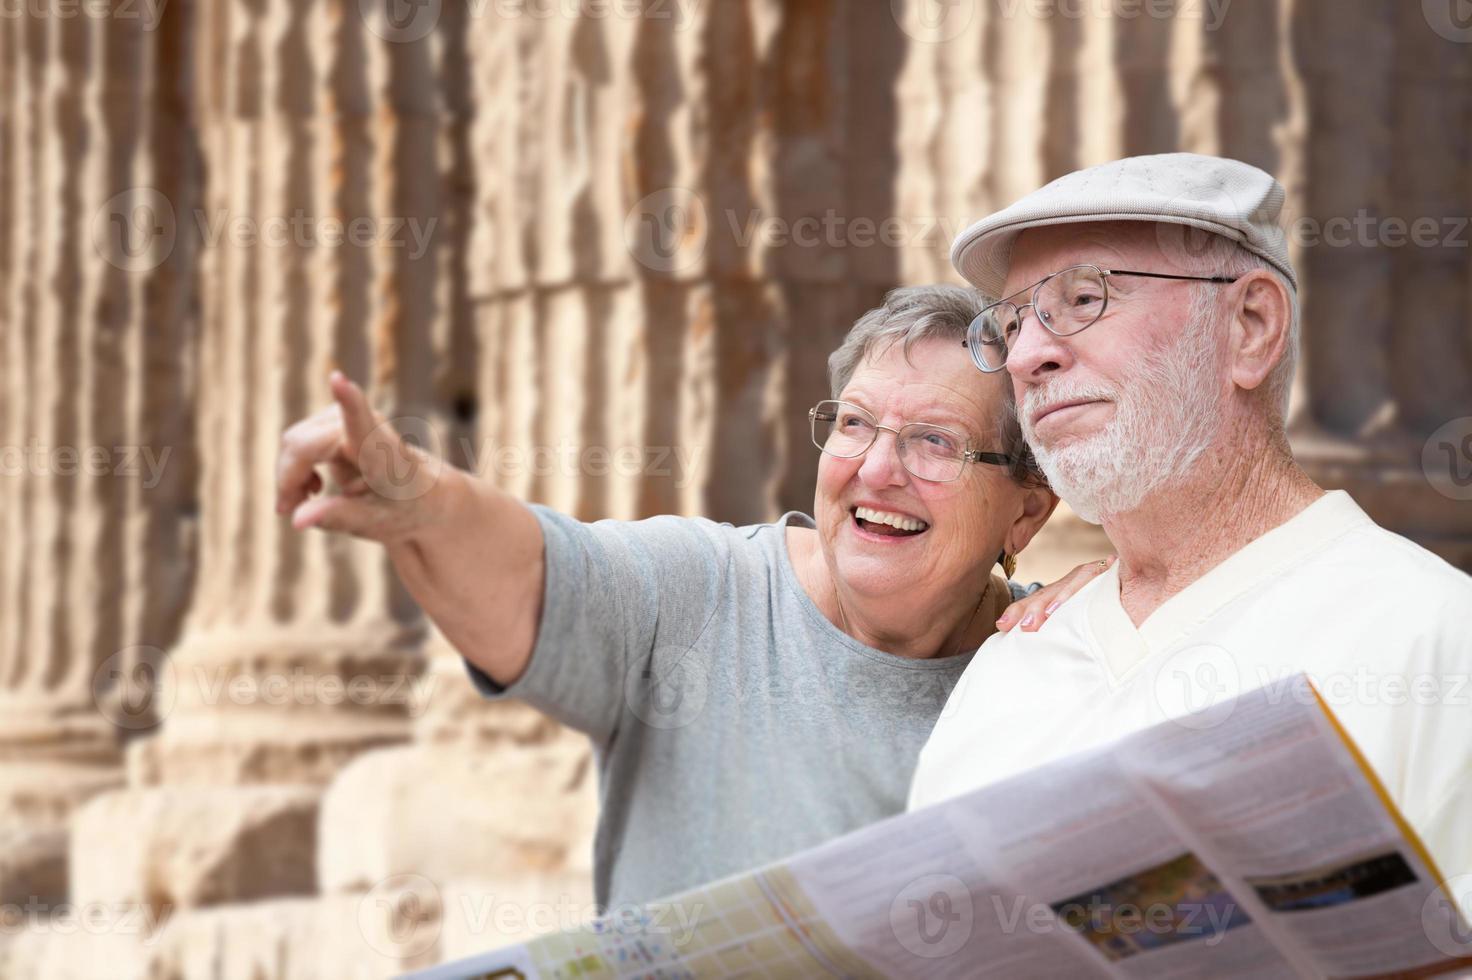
{"x":357,"y":416}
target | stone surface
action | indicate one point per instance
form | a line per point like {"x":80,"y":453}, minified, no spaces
{"x":69,"y":950}
{"x":33,"y":865}
{"x":352,"y":937}
{"x":37,"y":800}
{"x":348,"y":937}
{"x":182,"y":847}
{"x":446,"y":811}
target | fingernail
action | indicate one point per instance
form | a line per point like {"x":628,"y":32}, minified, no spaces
{"x":1052,"y":606}
{"x":1005,"y":618}
{"x":1028,"y":621}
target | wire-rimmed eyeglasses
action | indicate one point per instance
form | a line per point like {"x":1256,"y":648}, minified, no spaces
{"x":930,"y":452}
{"x":1067,"y":302}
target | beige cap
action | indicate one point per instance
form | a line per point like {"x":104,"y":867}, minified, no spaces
{"x":1182,"y":190}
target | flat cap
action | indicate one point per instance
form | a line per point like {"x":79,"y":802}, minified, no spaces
{"x":1182,"y":190}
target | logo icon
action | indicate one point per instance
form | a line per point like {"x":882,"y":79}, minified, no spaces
{"x":933,"y":916}
{"x":401,"y":459}
{"x":135,"y":230}
{"x":1446,"y":459}
{"x":134,"y":688}
{"x":933,"y":21}
{"x":1451,"y":19}
{"x":400,"y":917}
{"x":1444,"y":916}
{"x":400,"y":21}
{"x":669,"y":689}
{"x":666,"y":231}
{"x":1195,"y":686}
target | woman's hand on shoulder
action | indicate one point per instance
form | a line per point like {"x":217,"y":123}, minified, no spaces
{"x":1030,"y":612}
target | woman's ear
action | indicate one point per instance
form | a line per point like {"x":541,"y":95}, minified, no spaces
{"x":1038,"y":505}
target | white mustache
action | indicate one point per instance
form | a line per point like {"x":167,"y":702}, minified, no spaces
{"x":1035,"y":399}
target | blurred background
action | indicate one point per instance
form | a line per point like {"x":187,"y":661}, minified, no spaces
{"x":598,"y":251}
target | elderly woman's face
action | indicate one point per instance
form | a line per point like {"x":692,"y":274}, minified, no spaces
{"x":963,"y":522}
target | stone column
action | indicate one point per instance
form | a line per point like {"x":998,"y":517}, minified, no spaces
{"x":97,"y":491}
{"x":1387,"y":398}
{"x":299,"y":651}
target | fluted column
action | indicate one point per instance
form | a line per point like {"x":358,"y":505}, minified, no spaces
{"x":96,"y":485}
{"x":311,"y":633}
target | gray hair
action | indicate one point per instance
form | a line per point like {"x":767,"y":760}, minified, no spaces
{"x":1224,"y":257}
{"x":912,"y":314}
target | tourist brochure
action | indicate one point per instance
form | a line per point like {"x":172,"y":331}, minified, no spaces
{"x":1250,"y":840}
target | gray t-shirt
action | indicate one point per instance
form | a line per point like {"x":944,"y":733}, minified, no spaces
{"x":733,"y":724}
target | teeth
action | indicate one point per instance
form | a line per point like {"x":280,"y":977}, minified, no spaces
{"x":893,"y":520}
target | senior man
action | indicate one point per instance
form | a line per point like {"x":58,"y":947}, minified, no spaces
{"x":1149,"y":326}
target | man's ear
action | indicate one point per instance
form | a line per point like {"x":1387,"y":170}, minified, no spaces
{"x":1261,"y":325}
{"x":1038,"y":505}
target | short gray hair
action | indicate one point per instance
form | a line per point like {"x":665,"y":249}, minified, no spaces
{"x":912,"y":314}
{"x":1224,"y":257}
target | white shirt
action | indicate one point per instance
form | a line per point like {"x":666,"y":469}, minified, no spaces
{"x":1381,"y":625}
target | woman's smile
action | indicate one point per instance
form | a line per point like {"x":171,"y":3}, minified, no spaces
{"x":885,"y":526}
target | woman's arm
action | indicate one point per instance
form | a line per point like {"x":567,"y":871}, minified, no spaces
{"x":470,"y":554}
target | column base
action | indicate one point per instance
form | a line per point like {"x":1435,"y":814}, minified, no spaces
{"x":1386,"y":478}
{"x":250,"y":708}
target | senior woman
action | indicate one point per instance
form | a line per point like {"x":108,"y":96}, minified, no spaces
{"x":750,"y":691}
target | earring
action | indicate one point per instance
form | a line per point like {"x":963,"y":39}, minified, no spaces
{"x":1009,"y":564}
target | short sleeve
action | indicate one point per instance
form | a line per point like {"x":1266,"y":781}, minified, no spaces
{"x":1021,"y":591}
{"x":614,"y":591}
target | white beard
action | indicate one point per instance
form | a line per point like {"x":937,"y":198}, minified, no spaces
{"x":1165,"y":418}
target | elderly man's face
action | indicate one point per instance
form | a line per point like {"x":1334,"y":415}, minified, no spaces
{"x":965,"y":520}
{"x":1120,"y":409}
